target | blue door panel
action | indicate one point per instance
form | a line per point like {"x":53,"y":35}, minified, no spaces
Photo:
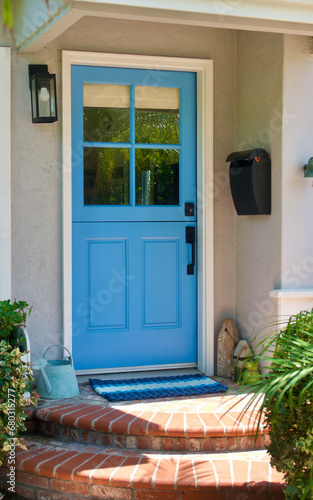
{"x":133,"y":308}
{"x":106,"y":264}
{"x":186,"y":82}
{"x":161,"y":291}
{"x":133,"y":302}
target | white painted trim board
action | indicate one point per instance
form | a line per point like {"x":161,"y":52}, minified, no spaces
{"x":5,"y":173}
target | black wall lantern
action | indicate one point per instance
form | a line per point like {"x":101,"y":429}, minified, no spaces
{"x":43,"y":94}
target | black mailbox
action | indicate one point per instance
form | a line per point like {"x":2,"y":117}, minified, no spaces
{"x":250,"y":181}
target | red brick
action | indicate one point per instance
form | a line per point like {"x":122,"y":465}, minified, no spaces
{"x":32,"y":480}
{"x":102,"y":423}
{"x":32,"y":461}
{"x":123,"y":474}
{"x":156,"y":495}
{"x":86,"y":421}
{"x":24,"y":492}
{"x":65,"y":470}
{"x":209,"y":495}
{"x":194,"y":444}
{"x":168,"y":444}
{"x":219,"y":444}
{"x":181,"y":444}
{"x":195,"y":427}
{"x":232,"y":443}
{"x":246,"y":443}
{"x":213,"y":425}
{"x":83,"y":411}
{"x":165,"y":476}
{"x":109,"y":492}
{"x":30,"y":412}
{"x":205,"y":475}
{"x":57,"y":430}
{"x":107,"y":440}
{"x":120,"y":426}
{"x":74,"y":435}
{"x":241,"y":495}
{"x":156,"y":443}
{"x":48,"y":428}
{"x":119,"y":441}
{"x":143,"y":442}
{"x":69,"y":486}
{"x":83,"y":472}
{"x":85,"y":435}
{"x":176,"y":426}
{"x":139,"y":426}
{"x":95,"y":438}
{"x":260,"y":477}
{"x":49,"y":467}
{"x":50,"y":495}
{"x":102,"y":474}
{"x":144,"y":473}
{"x":131,"y":442}
{"x":223,"y":471}
{"x":207,"y":444}
{"x":157,"y":426}
{"x":186,"y":477}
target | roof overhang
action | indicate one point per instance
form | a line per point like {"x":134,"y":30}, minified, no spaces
{"x":34,"y":28}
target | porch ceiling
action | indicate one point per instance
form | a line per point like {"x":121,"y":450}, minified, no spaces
{"x":34,"y":28}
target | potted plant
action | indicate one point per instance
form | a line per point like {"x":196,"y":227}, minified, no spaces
{"x":287,"y":389}
{"x":15,"y":376}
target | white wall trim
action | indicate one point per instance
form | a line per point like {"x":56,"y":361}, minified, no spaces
{"x":204,"y":70}
{"x":5,"y":173}
{"x":291,"y":301}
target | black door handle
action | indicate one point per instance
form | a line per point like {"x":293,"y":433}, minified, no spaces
{"x":191,"y":238}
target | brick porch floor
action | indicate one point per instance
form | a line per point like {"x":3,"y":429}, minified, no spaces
{"x":194,"y":448}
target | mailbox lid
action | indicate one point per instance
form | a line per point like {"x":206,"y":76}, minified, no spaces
{"x":249,"y":154}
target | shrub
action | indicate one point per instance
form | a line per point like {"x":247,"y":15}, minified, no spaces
{"x":13,"y":316}
{"x":14,"y":382}
{"x":287,"y":404}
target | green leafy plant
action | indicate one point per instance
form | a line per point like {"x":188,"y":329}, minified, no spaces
{"x":12,"y":317}
{"x":15,"y":378}
{"x":287,"y":389}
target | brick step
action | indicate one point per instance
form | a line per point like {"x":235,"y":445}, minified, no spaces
{"x":131,"y":427}
{"x":55,"y":470}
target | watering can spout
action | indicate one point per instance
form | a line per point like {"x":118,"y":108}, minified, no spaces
{"x":40,"y":365}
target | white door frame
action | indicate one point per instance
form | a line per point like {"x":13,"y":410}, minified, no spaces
{"x":205,"y":251}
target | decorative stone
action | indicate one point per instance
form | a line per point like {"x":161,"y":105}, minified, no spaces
{"x":227,"y":340}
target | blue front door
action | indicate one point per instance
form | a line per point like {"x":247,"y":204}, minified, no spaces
{"x":134,"y":218}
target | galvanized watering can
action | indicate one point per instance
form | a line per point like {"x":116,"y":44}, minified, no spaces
{"x":57,"y":378}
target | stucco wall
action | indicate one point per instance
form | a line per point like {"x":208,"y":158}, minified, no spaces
{"x":37,"y":215}
{"x":259,"y":124}
{"x":297,"y":191}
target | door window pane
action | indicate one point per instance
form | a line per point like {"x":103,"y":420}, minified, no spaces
{"x":157,"y":115}
{"x":106,"y":112}
{"x":157,"y":177}
{"x":106,"y":176}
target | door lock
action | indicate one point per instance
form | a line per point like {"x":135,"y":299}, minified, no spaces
{"x":189,"y":209}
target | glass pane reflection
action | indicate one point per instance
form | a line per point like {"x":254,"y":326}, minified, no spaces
{"x":106,"y":176}
{"x":157,"y":177}
{"x":157,"y":115}
{"x":106,"y":113}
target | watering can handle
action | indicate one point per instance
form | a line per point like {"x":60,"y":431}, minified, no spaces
{"x":58,"y":345}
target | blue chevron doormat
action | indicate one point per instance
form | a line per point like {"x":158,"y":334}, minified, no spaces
{"x":156,"y":387}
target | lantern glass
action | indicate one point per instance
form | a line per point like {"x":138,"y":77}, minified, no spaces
{"x":43,"y":93}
